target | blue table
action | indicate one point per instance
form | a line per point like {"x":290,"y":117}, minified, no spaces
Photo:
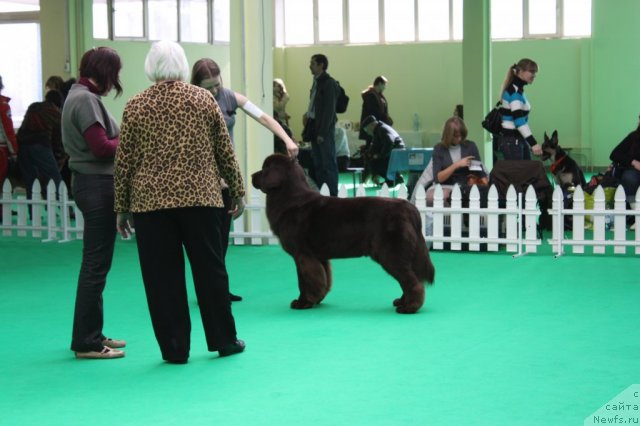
{"x":402,"y":160}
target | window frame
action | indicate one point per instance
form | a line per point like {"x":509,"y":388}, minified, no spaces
{"x":211,"y":33}
{"x":280,"y":36}
{"x":526,"y":34}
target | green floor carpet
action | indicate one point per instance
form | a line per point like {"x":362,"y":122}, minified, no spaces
{"x":500,"y":341}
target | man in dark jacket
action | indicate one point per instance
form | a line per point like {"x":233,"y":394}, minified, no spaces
{"x":374,"y":103}
{"x":320,"y":124}
{"x":383,"y":139}
{"x":626,"y":161}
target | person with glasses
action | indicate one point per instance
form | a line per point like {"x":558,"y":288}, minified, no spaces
{"x":516,"y":141}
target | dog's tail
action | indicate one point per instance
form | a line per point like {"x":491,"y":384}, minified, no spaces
{"x":422,"y":265}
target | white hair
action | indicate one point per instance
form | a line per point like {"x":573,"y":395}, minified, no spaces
{"x":166,"y":60}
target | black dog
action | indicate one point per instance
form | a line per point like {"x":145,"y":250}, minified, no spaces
{"x":566,"y":172}
{"x":314,"y":228}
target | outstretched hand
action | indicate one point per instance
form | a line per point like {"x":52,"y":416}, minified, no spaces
{"x":237,"y":208}
{"x":124,"y":224}
{"x":292,"y":148}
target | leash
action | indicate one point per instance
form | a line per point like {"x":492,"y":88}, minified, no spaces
{"x":555,"y":165}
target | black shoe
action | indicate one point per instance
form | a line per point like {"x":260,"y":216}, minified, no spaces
{"x":234,"y":298}
{"x":232,"y":348}
{"x":177,"y":361}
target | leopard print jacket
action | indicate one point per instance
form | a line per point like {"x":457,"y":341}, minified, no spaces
{"x":174,"y":148}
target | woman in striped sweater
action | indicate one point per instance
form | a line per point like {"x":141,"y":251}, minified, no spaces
{"x":516,"y":140}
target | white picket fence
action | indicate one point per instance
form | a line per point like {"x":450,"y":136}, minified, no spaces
{"x":474,"y":228}
{"x":602,"y":220}
{"x":493,"y":226}
{"x":52,"y":218}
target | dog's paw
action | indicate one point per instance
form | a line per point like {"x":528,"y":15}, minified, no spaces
{"x":301,"y":304}
{"x":399,"y":301}
{"x":406,"y":310}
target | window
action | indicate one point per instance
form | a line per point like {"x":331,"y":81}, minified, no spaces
{"x":457,"y":19}
{"x":128,"y":18}
{"x":100,"y":19}
{"x":576,"y":18}
{"x":379,"y":21}
{"x":399,"y":21}
{"x":196,"y":21}
{"x":364,"y":24}
{"x":506,"y":19}
{"x":367,"y":21}
{"x":298,"y":15}
{"x":19,"y":6}
{"x":433,"y":19}
{"x":22,"y":74}
{"x":540,"y":18}
{"x":163,"y":20}
{"x":221,"y":21}
{"x":193,"y":21}
{"x":330,"y":21}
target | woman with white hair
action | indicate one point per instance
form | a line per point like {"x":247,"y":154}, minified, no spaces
{"x":174,"y":149}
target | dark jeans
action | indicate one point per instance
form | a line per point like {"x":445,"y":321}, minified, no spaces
{"x":325,"y":163}
{"x":513,"y":146}
{"x":37,"y":161}
{"x":630,"y":181}
{"x":161,"y":236}
{"x":94,"y":197}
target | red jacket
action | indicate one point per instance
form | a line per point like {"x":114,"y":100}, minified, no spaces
{"x":7,"y":126}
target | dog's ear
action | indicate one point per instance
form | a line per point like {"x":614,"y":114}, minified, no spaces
{"x":554,"y":135}
{"x":546,"y":138}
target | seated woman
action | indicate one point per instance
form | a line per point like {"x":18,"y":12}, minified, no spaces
{"x":455,"y":160}
{"x":626,"y":159}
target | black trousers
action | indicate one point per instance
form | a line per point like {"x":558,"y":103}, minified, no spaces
{"x":161,"y":236}
{"x":94,"y":197}
{"x":226,"y":222}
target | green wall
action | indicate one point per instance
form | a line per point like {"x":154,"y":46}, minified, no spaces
{"x":427,"y":79}
{"x":615,"y":92}
{"x":585,"y":88}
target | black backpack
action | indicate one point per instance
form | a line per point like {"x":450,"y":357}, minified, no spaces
{"x":342,"y":101}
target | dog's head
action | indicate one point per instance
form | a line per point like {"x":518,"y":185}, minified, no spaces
{"x":276,"y":171}
{"x":550,"y":145}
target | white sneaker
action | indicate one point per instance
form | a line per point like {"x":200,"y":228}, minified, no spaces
{"x":105,"y":353}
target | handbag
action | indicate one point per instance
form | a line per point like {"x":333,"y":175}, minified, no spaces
{"x":492,"y":123}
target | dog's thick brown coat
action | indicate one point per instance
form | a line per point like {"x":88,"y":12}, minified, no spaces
{"x":314,"y":228}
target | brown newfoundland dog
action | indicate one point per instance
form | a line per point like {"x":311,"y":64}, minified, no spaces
{"x":314,"y":228}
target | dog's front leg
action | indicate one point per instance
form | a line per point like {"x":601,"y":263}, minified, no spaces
{"x":312,"y":281}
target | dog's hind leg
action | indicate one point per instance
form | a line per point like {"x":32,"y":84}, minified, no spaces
{"x":400,"y":268}
{"x":314,"y":281}
{"x":413,"y":294}
{"x":329,"y":278}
